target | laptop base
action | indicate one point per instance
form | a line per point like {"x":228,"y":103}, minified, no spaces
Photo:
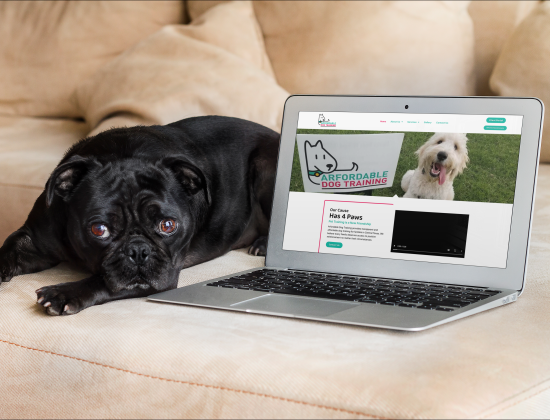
{"x":325,"y":310}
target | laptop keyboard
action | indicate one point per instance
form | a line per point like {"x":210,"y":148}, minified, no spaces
{"x":430,"y":296}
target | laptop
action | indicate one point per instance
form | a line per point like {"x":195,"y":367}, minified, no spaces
{"x":392,"y":212}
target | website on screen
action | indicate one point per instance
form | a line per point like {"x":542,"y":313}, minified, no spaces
{"x":421,"y":187}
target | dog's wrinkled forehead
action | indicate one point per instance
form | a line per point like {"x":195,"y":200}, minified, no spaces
{"x":130,"y":177}
{"x":87,"y":182}
{"x":128,"y":184}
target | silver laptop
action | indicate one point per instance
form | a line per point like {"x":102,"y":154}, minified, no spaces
{"x":392,"y":212}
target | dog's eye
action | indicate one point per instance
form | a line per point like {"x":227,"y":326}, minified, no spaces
{"x":456,"y":147}
{"x":100,"y":230}
{"x":440,"y":141}
{"x":168,"y":226}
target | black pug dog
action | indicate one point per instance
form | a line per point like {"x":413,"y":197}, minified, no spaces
{"x":136,"y":205}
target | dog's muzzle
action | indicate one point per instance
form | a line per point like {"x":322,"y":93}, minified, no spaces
{"x":137,"y":251}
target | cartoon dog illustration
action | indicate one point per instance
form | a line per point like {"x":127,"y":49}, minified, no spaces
{"x":440,"y":160}
{"x":319,"y":161}
{"x":321,"y":119}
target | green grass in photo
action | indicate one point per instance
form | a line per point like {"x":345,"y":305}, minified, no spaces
{"x":490,"y":176}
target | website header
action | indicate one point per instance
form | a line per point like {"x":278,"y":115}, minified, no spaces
{"x":449,"y":123}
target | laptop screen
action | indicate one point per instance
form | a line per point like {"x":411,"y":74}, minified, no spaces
{"x":426,"y":187}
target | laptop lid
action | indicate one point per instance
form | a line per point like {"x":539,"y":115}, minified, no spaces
{"x":468,"y":166}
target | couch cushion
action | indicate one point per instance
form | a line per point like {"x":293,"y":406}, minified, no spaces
{"x":494,"y":21}
{"x":30,"y":148}
{"x":216,"y":65}
{"x":51,"y":46}
{"x":372,"y":47}
{"x":135,"y":358}
{"x":523,"y":68}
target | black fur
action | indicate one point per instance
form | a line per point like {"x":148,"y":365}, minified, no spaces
{"x":213,"y":175}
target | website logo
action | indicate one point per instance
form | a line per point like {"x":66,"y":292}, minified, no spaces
{"x":320,"y":162}
{"x":325,"y":122}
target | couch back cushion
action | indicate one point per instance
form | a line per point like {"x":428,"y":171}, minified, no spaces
{"x":217,"y":65}
{"x":523,"y":68}
{"x":50,"y":46}
{"x":373,"y":47}
{"x":494,"y":23}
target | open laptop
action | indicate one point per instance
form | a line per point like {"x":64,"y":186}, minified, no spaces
{"x":392,"y":212}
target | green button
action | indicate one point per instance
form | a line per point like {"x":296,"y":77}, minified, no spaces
{"x":334,"y":244}
{"x":495,"y":127}
{"x":496,"y":120}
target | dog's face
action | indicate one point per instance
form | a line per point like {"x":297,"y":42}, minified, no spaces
{"x":129,"y":220}
{"x":443,"y":156}
{"x":318,"y":159}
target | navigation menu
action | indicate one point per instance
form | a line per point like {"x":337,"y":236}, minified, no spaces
{"x":449,"y":123}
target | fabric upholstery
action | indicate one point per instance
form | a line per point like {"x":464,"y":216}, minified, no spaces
{"x":523,"y":68}
{"x":197,"y":8}
{"x":48,"y":47}
{"x":351,"y":47}
{"x":135,"y":358}
{"x":531,"y":404}
{"x":215,"y":66}
{"x":30,"y":148}
{"x":494,"y":23}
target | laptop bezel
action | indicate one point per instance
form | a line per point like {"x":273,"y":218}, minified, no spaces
{"x":511,"y":277}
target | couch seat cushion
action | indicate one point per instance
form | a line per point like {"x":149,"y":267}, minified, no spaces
{"x":135,"y":358}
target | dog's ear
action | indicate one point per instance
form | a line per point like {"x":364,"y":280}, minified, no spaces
{"x":308,"y":144}
{"x":463,"y":163}
{"x":318,"y":143}
{"x":421,"y":149}
{"x":465,"y":157}
{"x":190,"y":177}
{"x":65,"y":178}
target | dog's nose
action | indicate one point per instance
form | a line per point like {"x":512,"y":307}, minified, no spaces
{"x":138,"y":252}
{"x":441,"y":156}
{"x":329,"y":166}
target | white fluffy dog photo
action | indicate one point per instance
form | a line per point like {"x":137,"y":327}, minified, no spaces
{"x":440,"y":160}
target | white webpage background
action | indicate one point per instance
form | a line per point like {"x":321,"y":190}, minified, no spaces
{"x":486,"y":244}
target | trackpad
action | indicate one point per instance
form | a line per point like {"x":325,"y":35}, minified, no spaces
{"x":294,"y":305}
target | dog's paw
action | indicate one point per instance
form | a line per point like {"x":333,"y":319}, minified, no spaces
{"x":61,"y":299}
{"x":259,"y":247}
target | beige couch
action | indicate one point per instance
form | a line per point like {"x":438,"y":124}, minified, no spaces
{"x":71,"y":69}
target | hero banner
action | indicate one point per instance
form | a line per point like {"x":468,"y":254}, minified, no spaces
{"x":478,"y":167}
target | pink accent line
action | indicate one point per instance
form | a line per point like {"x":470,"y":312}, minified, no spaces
{"x":340,"y":201}
{"x":360,"y":202}
{"x":321,"y":233}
